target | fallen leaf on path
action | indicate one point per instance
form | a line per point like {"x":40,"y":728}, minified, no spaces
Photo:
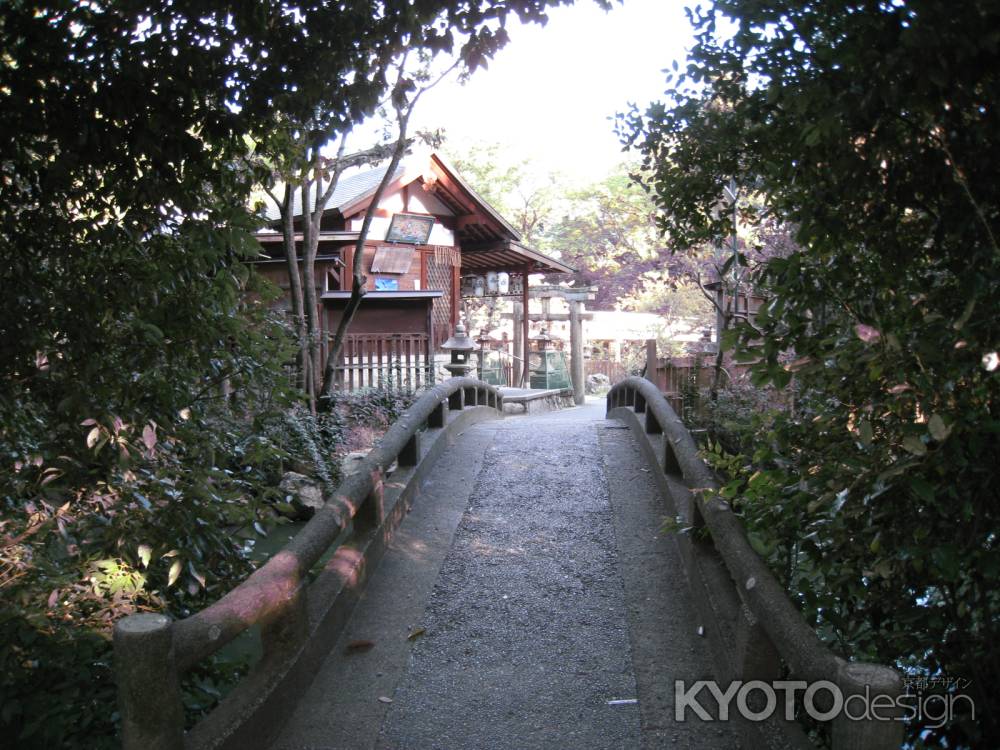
{"x":383,"y":699}
{"x":356,"y":647}
{"x":416,"y":633}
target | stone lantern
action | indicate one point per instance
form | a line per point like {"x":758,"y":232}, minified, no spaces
{"x":550,"y":373}
{"x":484,"y":347}
{"x":461,"y":348}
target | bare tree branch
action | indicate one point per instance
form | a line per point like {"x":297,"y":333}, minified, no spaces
{"x":710,"y":297}
{"x":404,"y":109}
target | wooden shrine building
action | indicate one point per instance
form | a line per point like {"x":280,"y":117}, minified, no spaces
{"x":432,"y":238}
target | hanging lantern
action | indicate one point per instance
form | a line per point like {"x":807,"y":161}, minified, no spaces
{"x":503,"y":282}
{"x":491,"y":282}
{"x":479,"y":286}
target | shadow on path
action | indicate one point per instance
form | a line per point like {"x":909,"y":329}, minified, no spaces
{"x":528,"y":589}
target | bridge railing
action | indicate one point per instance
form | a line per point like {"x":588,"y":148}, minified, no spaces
{"x":298,"y":619}
{"x":764,"y":636}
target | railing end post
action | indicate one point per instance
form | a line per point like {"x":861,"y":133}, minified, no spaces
{"x":883,"y":730}
{"x":149,"y":696}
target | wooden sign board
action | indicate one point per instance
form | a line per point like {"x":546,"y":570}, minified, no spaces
{"x":392,"y":260}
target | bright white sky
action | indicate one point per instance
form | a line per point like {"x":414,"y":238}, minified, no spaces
{"x":548,"y":95}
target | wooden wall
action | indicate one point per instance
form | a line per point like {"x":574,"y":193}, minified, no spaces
{"x":277,"y":274}
{"x":416,"y":276}
{"x":435,"y":318}
{"x":406,"y":280}
{"x":382,"y":316}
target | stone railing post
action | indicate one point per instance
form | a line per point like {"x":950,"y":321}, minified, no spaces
{"x":410,"y":455}
{"x":438,"y":417}
{"x":284,"y":634}
{"x":879,"y":686}
{"x":149,"y":695}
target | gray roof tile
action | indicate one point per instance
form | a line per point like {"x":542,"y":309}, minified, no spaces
{"x":348,"y":190}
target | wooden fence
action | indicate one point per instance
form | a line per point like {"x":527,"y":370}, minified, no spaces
{"x":498,"y":367}
{"x":614,"y":371}
{"x":682,"y":380}
{"x":402,"y":361}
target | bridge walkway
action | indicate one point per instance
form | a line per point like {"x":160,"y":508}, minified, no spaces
{"x":526,"y":595}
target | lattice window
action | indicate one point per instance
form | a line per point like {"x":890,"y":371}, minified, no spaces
{"x":439,"y":277}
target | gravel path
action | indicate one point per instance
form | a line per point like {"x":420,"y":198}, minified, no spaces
{"x":534,"y":565}
{"x":526,"y":634}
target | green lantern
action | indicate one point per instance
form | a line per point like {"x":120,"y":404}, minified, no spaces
{"x":550,"y":371}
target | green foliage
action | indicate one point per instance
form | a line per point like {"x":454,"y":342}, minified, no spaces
{"x":317,"y":438}
{"x":678,"y":300}
{"x":373,"y":407}
{"x":158,"y":532}
{"x":208,"y":682}
{"x":740,"y":416}
{"x":608,"y":231}
{"x":130,"y":140}
{"x":509,"y":183}
{"x":869,"y":128}
{"x":737,"y":433}
{"x":153,"y":532}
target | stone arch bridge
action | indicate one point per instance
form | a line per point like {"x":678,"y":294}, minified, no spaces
{"x":507,"y":586}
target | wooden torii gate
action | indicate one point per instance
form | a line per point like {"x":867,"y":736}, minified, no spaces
{"x":575,"y":297}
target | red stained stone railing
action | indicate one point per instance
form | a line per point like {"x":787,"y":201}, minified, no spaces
{"x":298,"y":619}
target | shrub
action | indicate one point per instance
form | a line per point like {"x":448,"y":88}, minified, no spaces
{"x":142,"y":525}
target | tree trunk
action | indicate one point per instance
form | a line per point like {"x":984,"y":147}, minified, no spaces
{"x":295,"y":287}
{"x":357,"y":270}
{"x":727,"y":318}
{"x":310,"y":242}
